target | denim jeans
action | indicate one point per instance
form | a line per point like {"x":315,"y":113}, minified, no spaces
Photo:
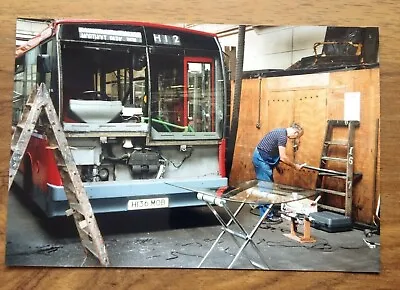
{"x":264,"y":172}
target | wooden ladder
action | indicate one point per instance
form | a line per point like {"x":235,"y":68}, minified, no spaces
{"x":80,"y":207}
{"x":348,"y":175}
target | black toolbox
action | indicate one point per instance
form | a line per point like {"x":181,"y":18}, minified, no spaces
{"x":330,"y":221}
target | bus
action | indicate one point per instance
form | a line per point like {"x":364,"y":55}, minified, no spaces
{"x":143,"y":106}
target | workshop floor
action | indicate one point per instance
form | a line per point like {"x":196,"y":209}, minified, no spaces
{"x":180,"y":238}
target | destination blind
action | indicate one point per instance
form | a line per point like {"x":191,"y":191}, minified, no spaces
{"x":110,"y":35}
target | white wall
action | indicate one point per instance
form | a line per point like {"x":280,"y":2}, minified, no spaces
{"x":26,"y":29}
{"x":271,"y":47}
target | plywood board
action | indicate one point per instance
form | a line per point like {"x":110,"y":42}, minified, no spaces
{"x":310,"y":113}
{"x":366,"y":82}
{"x":248,"y":135}
{"x":312,"y":107}
{"x":280,"y":115}
{"x":298,"y":82}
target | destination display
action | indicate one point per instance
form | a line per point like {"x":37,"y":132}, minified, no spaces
{"x":110,"y":35}
{"x":166,"y":39}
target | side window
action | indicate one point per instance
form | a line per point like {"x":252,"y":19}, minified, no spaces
{"x":19,"y":95}
{"x":25,"y":79}
{"x":31,"y":70}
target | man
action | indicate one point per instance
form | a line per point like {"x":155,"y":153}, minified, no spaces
{"x":271,"y":150}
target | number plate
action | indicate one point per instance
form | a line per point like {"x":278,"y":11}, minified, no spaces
{"x":149,"y":203}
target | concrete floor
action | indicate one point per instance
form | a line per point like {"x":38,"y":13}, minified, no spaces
{"x":178,"y":238}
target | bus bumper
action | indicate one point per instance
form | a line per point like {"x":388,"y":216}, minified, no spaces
{"x":114,"y":196}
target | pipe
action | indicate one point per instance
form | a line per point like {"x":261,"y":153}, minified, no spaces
{"x":236,"y":98}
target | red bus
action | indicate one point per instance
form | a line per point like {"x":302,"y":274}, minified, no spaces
{"x":143,"y":106}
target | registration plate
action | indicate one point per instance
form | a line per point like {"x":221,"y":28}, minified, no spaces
{"x":148,"y":203}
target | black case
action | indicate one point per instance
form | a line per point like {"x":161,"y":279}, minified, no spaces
{"x":330,"y":222}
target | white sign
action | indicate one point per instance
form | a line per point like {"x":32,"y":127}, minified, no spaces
{"x":352,"y":106}
{"x":166,"y":39}
{"x":149,"y":203}
{"x":109,"y":35}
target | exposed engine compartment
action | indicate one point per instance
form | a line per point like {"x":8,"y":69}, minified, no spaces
{"x":110,"y":161}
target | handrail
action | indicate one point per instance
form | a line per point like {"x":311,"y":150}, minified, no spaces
{"x":167,"y":124}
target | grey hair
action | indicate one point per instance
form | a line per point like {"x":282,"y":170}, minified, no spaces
{"x":297,"y":127}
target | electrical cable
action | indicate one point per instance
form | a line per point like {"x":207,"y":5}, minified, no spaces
{"x":183,"y":160}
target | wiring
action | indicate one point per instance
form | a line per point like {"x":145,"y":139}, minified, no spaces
{"x":322,"y":244}
{"x":183,"y":160}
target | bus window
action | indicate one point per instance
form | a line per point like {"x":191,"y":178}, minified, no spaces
{"x":19,"y":94}
{"x":187,"y":96}
{"x":200,"y":97}
{"x":31,"y":70}
{"x":25,"y":80}
{"x":167,"y":92}
{"x":105,"y":73}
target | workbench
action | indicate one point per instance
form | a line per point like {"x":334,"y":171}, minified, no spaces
{"x":251,"y":193}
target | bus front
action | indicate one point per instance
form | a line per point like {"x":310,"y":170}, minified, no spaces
{"x":143,"y":110}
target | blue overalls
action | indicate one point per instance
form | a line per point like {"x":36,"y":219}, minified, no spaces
{"x":264,"y":171}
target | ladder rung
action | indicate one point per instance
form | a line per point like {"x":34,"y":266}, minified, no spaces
{"x":336,"y":209}
{"x":84,"y":231}
{"x":331,"y":191}
{"x":342,"y":123}
{"x":76,"y":207}
{"x":52,"y":147}
{"x":21,"y":126}
{"x":337,"y":142}
{"x":83,"y":224}
{"x":334,"y":159}
{"x":333,"y":175}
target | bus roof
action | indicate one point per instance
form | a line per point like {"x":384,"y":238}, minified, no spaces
{"x":51,"y":29}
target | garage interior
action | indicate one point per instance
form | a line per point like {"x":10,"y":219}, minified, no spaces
{"x":311,"y":89}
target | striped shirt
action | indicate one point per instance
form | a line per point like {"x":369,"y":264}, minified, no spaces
{"x":268,"y":146}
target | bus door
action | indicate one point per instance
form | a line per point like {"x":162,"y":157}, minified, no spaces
{"x":199,"y":99}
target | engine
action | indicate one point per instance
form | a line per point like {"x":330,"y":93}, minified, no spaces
{"x":109,"y":160}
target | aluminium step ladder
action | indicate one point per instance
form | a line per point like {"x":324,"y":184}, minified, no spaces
{"x":348,"y":176}
{"x":80,"y":207}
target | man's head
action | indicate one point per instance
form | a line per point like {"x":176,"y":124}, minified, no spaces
{"x":295,"y":131}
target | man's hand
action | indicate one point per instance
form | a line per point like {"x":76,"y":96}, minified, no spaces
{"x":299,"y":166}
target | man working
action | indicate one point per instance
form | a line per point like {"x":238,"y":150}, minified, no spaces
{"x":271,"y":150}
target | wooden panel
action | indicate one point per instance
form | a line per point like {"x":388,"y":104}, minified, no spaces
{"x":310,"y":113}
{"x":367,"y":83}
{"x":248,"y":135}
{"x":280,"y":115}
{"x":298,"y":82}
{"x":312,"y":108}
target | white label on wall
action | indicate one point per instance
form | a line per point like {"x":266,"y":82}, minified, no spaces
{"x":352,"y":106}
